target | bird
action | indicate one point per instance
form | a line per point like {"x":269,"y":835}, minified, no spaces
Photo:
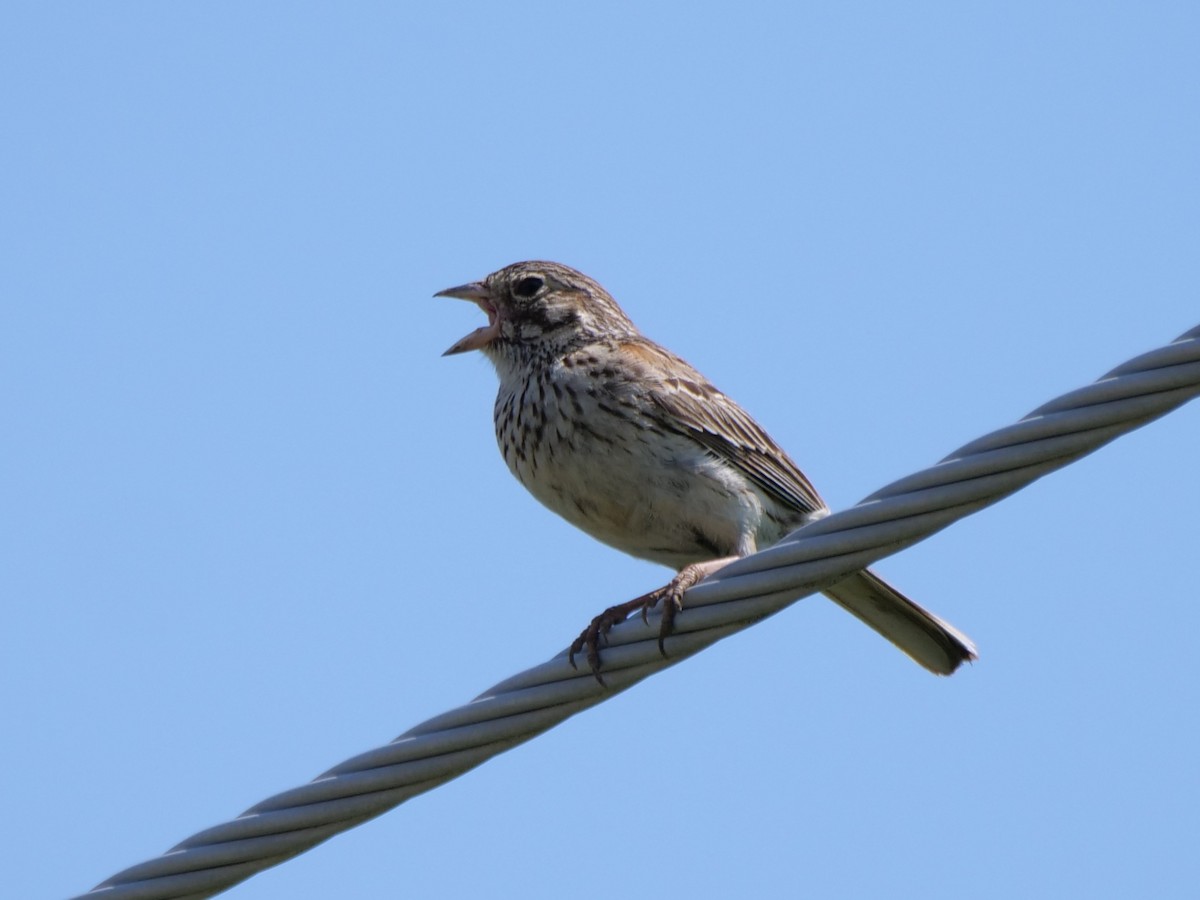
{"x":630,"y":443}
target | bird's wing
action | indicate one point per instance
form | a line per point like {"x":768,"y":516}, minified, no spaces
{"x":690,"y":405}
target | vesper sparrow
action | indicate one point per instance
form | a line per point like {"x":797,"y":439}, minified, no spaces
{"x":627,"y":441}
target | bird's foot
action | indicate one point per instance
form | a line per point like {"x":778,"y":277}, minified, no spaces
{"x":669,"y":595}
{"x":601,"y":625}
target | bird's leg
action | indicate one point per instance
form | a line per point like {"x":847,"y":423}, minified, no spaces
{"x":671,"y":596}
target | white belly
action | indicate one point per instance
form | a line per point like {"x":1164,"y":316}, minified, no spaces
{"x":656,"y":496}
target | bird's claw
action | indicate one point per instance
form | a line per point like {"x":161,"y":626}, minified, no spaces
{"x":589,"y":639}
{"x":672,"y":599}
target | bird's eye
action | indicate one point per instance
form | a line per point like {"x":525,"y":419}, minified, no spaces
{"x":528,"y":286}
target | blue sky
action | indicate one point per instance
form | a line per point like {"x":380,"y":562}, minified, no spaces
{"x":253,"y":524}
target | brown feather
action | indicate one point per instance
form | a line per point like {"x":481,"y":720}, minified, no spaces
{"x":692,"y":406}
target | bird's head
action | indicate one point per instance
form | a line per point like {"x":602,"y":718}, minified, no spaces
{"x":537,"y":310}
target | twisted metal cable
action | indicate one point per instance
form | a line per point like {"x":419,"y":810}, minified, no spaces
{"x":906,"y":511}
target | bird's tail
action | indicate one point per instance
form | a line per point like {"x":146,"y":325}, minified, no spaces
{"x":935,"y":644}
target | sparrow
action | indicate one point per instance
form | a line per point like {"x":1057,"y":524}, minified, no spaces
{"x":627,"y":441}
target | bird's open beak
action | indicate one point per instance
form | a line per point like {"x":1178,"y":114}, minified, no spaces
{"x":478,"y":294}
